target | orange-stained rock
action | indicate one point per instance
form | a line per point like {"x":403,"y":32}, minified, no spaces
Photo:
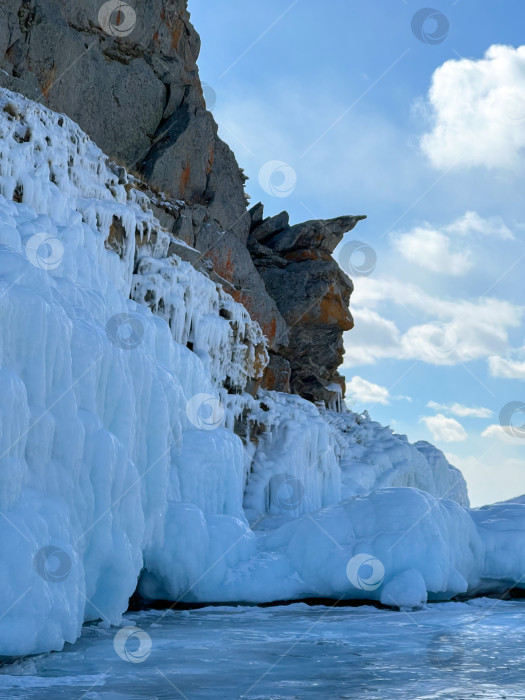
{"x":313,"y":294}
{"x":277,"y":374}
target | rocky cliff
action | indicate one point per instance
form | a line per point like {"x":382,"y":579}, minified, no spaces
{"x":128,"y":76}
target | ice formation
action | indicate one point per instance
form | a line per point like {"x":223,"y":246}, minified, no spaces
{"x":123,"y":372}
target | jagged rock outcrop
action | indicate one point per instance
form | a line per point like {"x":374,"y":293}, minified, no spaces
{"x":312,"y":293}
{"x":130,"y":79}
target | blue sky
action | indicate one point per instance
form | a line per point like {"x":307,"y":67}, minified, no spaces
{"x":425,"y":134}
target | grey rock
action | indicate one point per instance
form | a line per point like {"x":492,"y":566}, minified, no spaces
{"x":270,"y":227}
{"x":232,"y":262}
{"x":322,"y":234}
{"x":277,"y":374}
{"x":313,"y":298}
{"x":257,"y":215}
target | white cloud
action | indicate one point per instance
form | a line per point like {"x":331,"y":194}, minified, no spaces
{"x":458,"y":330}
{"x":478,"y":111}
{"x":445,"y":429}
{"x":497,"y":432}
{"x":444,"y":250}
{"x":373,"y":337}
{"x":431,"y":249}
{"x":362,"y":391}
{"x":458,"y":409}
{"x":506,"y":368}
{"x":472,"y":223}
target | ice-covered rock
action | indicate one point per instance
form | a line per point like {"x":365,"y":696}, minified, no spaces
{"x":373,"y":456}
{"x":102,"y":398}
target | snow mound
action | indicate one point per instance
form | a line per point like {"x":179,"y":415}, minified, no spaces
{"x":373,"y":456}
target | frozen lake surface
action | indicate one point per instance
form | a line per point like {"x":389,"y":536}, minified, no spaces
{"x":450,"y":650}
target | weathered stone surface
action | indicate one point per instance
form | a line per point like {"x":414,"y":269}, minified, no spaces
{"x":323,"y":235}
{"x":268,"y":228}
{"x":312,"y":294}
{"x":257,"y":214}
{"x":277,"y":374}
{"x":232,"y":261}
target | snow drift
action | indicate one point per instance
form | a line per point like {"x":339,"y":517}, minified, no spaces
{"x":131,"y":454}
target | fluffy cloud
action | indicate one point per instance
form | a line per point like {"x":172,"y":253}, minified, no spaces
{"x":458,"y":409}
{"x":449,"y":331}
{"x":362,"y":391}
{"x":471,"y":223}
{"x":508,"y":368}
{"x":374,"y":337}
{"x":478,"y":111}
{"x":496,"y":432}
{"x":445,"y":250}
{"x":433,"y":250}
{"x":445,"y":429}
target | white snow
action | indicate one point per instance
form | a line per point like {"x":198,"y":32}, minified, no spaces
{"x":123,"y":373}
{"x":373,"y":457}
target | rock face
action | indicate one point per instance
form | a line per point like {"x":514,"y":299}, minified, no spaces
{"x":129,"y":78}
{"x":312,"y":294}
